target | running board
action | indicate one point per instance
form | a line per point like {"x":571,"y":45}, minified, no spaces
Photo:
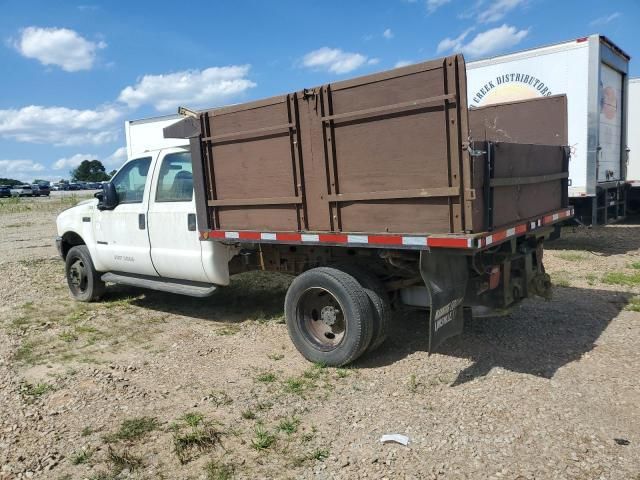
{"x":171,"y":285}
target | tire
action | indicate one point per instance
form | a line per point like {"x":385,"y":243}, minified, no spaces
{"x":328,"y":316}
{"x":380,"y":304}
{"x":84,"y":282}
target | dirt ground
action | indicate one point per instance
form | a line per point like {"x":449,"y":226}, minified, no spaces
{"x":151,"y":385}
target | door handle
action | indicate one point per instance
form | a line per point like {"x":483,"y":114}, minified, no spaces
{"x":191,"y":222}
{"x":141,"y":221}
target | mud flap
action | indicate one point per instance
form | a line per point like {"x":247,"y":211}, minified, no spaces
{"x":445,"y":277}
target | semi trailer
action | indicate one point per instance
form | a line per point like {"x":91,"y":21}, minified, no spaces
{"x":633,"y":141}
{"x":371,"y":192}
{"x":592,"y":72}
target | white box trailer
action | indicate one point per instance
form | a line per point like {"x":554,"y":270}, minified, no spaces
{"x":592,"y":73}
{"x":145,"y":134}
{"x":633,"y":141}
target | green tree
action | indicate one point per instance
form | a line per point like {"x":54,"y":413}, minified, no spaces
{"x":112,"y":173}
{"x":89,"y":171}
{"x":9,"y":181}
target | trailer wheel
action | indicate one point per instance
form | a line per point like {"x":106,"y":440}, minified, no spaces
{"x":328,"y":316}
{"x":84,"y":282}
{"x":380,"y":305}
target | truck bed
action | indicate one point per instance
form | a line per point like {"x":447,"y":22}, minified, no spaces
{"x":385,"y":159}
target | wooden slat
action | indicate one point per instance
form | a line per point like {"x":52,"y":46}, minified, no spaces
{"x":284,"y":128}
{"x":507,"y":182}
{"x":395,"y":194}
{"x":403,"y":106}
{"x":239,"y":202}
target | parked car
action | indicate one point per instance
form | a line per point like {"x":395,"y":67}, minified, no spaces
{"x":41,"y":190}
{"x":5,"y":191}
{"x":21,"y":191}
{"x":74,"y":186}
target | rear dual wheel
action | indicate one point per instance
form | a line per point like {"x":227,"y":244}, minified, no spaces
{"x":331,"y":317}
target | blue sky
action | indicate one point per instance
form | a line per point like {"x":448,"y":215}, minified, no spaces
{"x":73,"y":72}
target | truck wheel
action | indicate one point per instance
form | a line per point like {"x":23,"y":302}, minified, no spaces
{"x":328,"y":316}
{"x":380,"y":305}
{"x":84,"y":282}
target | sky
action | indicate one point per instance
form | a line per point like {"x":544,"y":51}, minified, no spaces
{"x":73,"y":72}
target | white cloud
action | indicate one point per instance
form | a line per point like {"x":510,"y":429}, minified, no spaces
{"x":117,"y":158}
{"x":192,"y":88}
{"x":402,"y":63}
{"x":433,"y":5}
{"x":23,"y":170}
{"x":335,"y":60}
{"x":605,"y":19}
{"x":455,"y":44}
{"x":73,"y":161}
{"x":497,"y":10}
{"x":388,"y":34}
{"x":58,"y":46}
{"x":490,"y":41}
{"x":60,"y":125}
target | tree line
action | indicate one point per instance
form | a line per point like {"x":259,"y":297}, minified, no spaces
{"x":87,"y":171}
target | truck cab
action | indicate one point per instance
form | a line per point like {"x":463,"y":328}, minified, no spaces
{"x":141,"y":229}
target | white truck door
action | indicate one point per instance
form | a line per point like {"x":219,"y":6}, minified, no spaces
{"x":175,"y":246}
{"x":610,"y":124}
{"x":122,"y":238}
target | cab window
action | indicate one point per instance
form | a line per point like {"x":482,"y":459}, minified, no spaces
{"x":175,"y":181}
{"x":131,"y":179}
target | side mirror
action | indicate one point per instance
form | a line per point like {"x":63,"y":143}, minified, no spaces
{"x":108,"y":197}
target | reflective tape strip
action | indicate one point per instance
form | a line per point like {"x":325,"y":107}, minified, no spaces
{"x":437,"y":241}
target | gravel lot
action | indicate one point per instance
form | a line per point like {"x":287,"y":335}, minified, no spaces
{"x":150,"y":385}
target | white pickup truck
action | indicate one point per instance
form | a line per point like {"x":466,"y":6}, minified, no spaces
{"x":370,"y":197}
{"x":150,"y":234}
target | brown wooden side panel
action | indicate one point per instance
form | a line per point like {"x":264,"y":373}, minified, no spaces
{"x":253,"y":165}
{"x":522,"y":163}
{"x":390,"y":151}
{"x":539,"y":121}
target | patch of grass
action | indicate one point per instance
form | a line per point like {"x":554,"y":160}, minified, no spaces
{"x":68,"y":336}
{"x":229,"y":330}
{"x":188,"y":444}
{"x":81,"y":456}
{"x":634,"y":304}
{"x":266,"y":377}
{"x":37,"y":390}
{"x":133,"y":429}
{"x":263,"y":438}
{"x":275,"y":356}
{"x":315,"y":372}
{"x":248,"y":414}
{"x":320,"y":454}
{"x":193,"y":419}
{"x":86,"y":431}
{"x":25,"y":353}
{"x":413,"y":383}
{"x":294,"y":385}
{"x":264,"y":405}
{"x":215,"y":470}
{"x":591,"y":278}
{"x":635,"y":265}
{"x":342,"y":372}
{"x":572,"y":256}
{"x":621,"y":278}
{"x":220,"y":398}
{"x":289,"y":425}
{"x":561,"y":279}
{"x":123,"y":460}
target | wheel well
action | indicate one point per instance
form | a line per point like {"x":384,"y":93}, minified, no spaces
{"x":70,"y":239}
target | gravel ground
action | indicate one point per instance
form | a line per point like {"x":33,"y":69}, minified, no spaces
{"x":149,"y":385}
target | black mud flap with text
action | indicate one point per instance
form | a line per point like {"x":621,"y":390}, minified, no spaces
{"x":445,"y":277}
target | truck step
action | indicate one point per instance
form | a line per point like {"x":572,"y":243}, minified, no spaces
{"x":171,"y":285}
